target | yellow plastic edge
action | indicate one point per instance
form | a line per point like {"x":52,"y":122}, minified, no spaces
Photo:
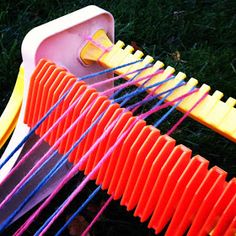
{"x":10,"y":115}
{"x":212,"y":112}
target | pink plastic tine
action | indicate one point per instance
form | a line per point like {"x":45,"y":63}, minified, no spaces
{"x":186,"y":114}
{"x":97,"y":216}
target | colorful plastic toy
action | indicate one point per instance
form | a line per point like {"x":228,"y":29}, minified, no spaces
{"x":201,"y":198}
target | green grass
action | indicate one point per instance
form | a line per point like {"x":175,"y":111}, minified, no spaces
{"x":201,"y":32}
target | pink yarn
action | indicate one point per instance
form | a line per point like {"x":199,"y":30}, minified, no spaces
{"x":118,"y":77}
{"x":186,"y":114}
{"x":29,"y":152}
{"x":86,"y":231}
{"x":87,"y":179}
{"x":155,"y":109}
{"x":46,"y":155}
{"x":108,"y":91}
{"x":100,"y":46}
{"x":75,"y":168}
{"x":152,"y":92}
{"x":72,"y":172}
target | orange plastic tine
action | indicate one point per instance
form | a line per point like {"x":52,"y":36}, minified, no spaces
{"x":158,"y":160}
{"x":78,"y":129}
{"x":130,"y":157}
{"x":119,"y":162}
{"x":115,"y":133}
{"x":98,"y":108}
{"x":45,"y":95}
{"x":84,"y":99}
{"x":175,"y":193}
{"x":186,"y":196}
{"x":63,"y":126}
{"x":89,"y":96}
{"x":207,"y":200}
{"x":176,"y":171}
{"x":111,"y":114}
{"x":89,"y":139}
{"x":123,"y":123}
{"x":38,"y":70}
{"x":75,"y":92}
{"x":48,"y":104}
{"x":145,"y":168}
{"x":231,"y":231}
{"x":159,"y":182}
{"x":118,"y":129}
{"x":137,"y":165}
{"x":219,"y":207}
{"x":53,"y":96}
{"x":212,"y":176}
{"x":123,"y":118}
{"x":63,"y":107}
{"x":124,"y":146}
{"x":207,"y":204}
{"x":34,"y":91}
{"x":159,"y":219}
{"x":45,"y":92}
{"x":62,"y":89}
{"x":63,"y":86}
{"x":39,"y":87}
{"x":103,"y":145}
{"x":226,"y":218}
{"x":90,"y":100}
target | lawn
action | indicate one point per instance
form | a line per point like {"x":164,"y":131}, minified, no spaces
{"x":195,"y":37}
